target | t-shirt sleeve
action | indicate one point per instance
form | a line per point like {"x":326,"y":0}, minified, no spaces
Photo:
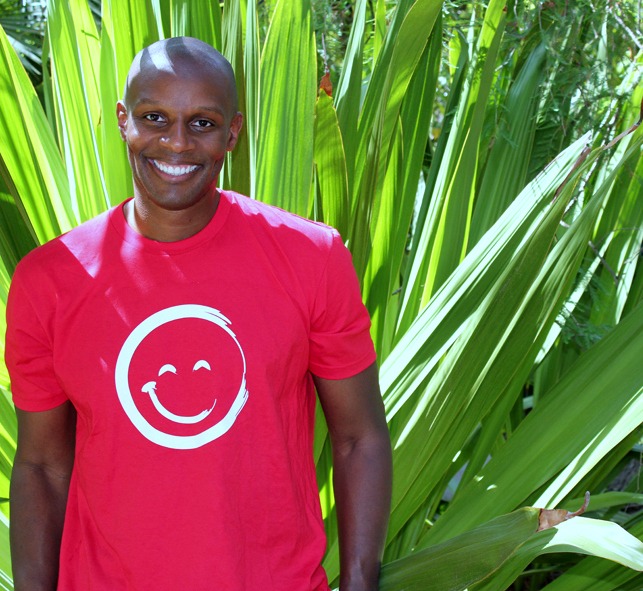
{"x":29,"y":353}
{"x":340,"y":340}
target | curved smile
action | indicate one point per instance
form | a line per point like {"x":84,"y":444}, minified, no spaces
{"x":150,"y":388}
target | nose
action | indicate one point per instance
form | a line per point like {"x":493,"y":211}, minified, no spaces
{"x":177,"y":138}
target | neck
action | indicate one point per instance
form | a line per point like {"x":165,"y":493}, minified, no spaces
{"x":165,"y":225}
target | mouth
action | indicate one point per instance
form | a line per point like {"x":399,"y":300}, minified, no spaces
{"x":150,"y":389}
{"x":177,"y":170}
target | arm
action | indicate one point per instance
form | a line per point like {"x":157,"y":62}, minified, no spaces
{"x":39,"y":487}
{"x":362,"y":474}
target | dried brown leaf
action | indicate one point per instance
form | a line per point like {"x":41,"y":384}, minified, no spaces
{"x":326,"y":85}
{"x":552,"y":517}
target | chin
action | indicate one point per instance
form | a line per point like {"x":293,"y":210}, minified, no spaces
{"x":179,"y":199}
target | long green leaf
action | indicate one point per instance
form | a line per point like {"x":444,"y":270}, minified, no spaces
{"x":8,"y":439}
{"x":538,"y":453}
{"x":285,"y":132}
{"x":624,"y":217}
{"x":595,"y":574}
{"x":75,"y":70}
{"x":460,"y":562}
{"x":30,"y":162}
{"x":251,"y":70}
{"x":602,"y":539}
{"x":238,"y":169}
{"x":472,"y":557}
{"x":6,"y":582}
{"x":348,"y":94}
{"x":444,"y":232}
{"x":415,"y":356}
{"x":390,"y":231}
{"x":506,"y":168}
{"x":196,"y":19}
{"x":391,"y":78}
{"x":330,"y":165}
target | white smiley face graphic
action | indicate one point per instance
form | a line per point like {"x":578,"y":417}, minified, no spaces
{"x":173,"y":403}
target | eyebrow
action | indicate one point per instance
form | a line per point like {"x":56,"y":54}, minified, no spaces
{"x":153,"y":103}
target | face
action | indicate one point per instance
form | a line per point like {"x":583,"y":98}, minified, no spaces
{"x":178,"y":125}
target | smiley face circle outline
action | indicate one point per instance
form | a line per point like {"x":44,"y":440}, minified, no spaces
{"x":121,"y":374}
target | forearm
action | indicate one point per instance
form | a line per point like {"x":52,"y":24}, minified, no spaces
{"x":38,"y":501}
{"x":362,"y":480}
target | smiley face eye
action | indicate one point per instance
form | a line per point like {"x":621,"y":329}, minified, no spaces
{"x":167,"y":367}
{"x":202,"y":363}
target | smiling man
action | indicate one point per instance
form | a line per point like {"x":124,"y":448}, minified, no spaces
{"x":164,"y":359}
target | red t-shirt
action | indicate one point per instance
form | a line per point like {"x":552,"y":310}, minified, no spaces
{"x":189,"y":364}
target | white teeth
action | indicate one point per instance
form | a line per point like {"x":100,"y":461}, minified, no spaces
{"x":174,"y":170}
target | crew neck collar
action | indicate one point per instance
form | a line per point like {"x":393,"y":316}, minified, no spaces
{"x":131,"y":236}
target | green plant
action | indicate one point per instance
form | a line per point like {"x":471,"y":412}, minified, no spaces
{"x":472,"y":260}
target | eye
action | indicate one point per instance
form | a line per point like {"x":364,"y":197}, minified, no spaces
{"x":167,"y":367}
{"x":201,"y":363}
{"x":153,"y":117}
{"x":203,"y":123}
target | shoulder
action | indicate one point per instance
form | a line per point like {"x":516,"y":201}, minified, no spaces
{"x":52,"y":258}
{"x":283,"y":224}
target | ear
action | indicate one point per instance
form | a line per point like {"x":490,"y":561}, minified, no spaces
{"x":235,"y":129}
{"x":121,"y":113}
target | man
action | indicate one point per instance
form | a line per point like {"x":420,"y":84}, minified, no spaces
{"x":162,"y":359}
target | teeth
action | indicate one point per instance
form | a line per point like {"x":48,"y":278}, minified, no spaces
{"x":174,"y":170}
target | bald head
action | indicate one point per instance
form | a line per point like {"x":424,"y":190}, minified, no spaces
{"x":181,"y":56}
